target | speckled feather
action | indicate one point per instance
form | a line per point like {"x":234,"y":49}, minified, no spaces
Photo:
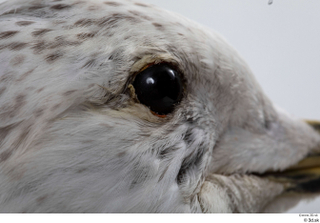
{"x":73,"y":139}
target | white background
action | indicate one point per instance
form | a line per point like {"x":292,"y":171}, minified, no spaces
{"x":280,"y":42}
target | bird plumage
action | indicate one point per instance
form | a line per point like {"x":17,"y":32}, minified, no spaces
{"x":74,"y":139}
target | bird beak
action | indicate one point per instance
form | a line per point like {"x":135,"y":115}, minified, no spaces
{"x":304,"y":177}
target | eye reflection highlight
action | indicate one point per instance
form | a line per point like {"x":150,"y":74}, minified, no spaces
{"x":150,"y":80}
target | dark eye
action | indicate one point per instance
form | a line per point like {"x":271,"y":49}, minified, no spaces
{"x":159,"y":87}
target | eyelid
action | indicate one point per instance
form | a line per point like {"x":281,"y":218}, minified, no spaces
{"x":160,"y":116}
{"x":149,"y":60}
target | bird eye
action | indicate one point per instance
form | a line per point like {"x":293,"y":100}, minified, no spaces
{"x":159,"y":87}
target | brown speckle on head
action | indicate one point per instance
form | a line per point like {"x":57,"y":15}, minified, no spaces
{"x":25,"y":74}
{"x":121,"y":154}
{"x":79,"y":2}
{"x":39,"y":47}
{"x":6,"y":77}
{"x":89,"y":63}
{"x":2,"y":90}
{"x":36,"y":6}
{"x":39,"y":112}
{"x":85,"y":35}
{"x":12,"y":11}
{"x":81,"y":170}
{"x":163,"y":173}
{"x":53,"y":57}
{"x":61,"y":41}
{"x":17,"y":46}
{"x":17,"y":60}
{"x":40,"y":32}
{"x":12,"y":111}
{"x":20,"y":98}
{"x":7,"y":34}
{"x":84,"y":22}
{"x":5,"y":155}
{"x":24,"y":23}
{"x":115,"y":18}
{"x":57,"y":22}
{"x":60,"y":6}
{"x":41,"y":199}
{"x":112,"y":3}
{"x":157,"y":25}
{"x":68,"y":92}
{"x":141,"y":15}
{"x":55,"y":107}
{"x":141,"y":4}
{"x":93,"y":8}
{"x":39,"y":90}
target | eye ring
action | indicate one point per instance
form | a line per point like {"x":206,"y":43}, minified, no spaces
{"x":159,"y":87}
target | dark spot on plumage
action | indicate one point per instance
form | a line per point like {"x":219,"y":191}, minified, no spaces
{"x":59,"y":38}
{"x":25,"y":74}
{"x":192,"y":161}
{"x":12,"y":11}
{"x":40,"y":32}
{"x":2,"y":90}
{"x":6,"y":77}
{"x":89,"y":63}
{"x":121,"y":154}
{"x":167,"y":152}
{"x":81,"y":170}
{"x":17,"y":60}
{"x":15,"y":46}
{"x":41,"y":199}
{"x":180,"y":34}
{"x":67,"y":93}
{"x":5,"y":155}
{"x":115,"y":18}
{"x":140,"y":176}
{"x":23,"y":135}
{"x":39,"y":47}
{"x":24,"y":23}
{"x":55,"y":107}
{"x":7,"y":34}
{"x":79,"y":2}
{"x":110,"y":34}
{"x":30,"y":88}
{"x":39,"y":112}
{"x":141,"y":4}
{"x":57,"y":22}
{"x":60,"y":41}
{"x":11,"y":110}
{"x":163,"y":173}
{"x":83,"y":36}
{"x":84,"y":22}
{"x":53,"y":57}
{"x":140,"y":14}
{"x":60,"y":6}
{"x":20,"y":98}
{"x":39,"y":90}
{"x":158,"y":26}
{"x":111,"y":57}
{"x":188,"y":137}
{"x":37,"y":6}
{"x":112,"y":3}
{"x":93,"y":8}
